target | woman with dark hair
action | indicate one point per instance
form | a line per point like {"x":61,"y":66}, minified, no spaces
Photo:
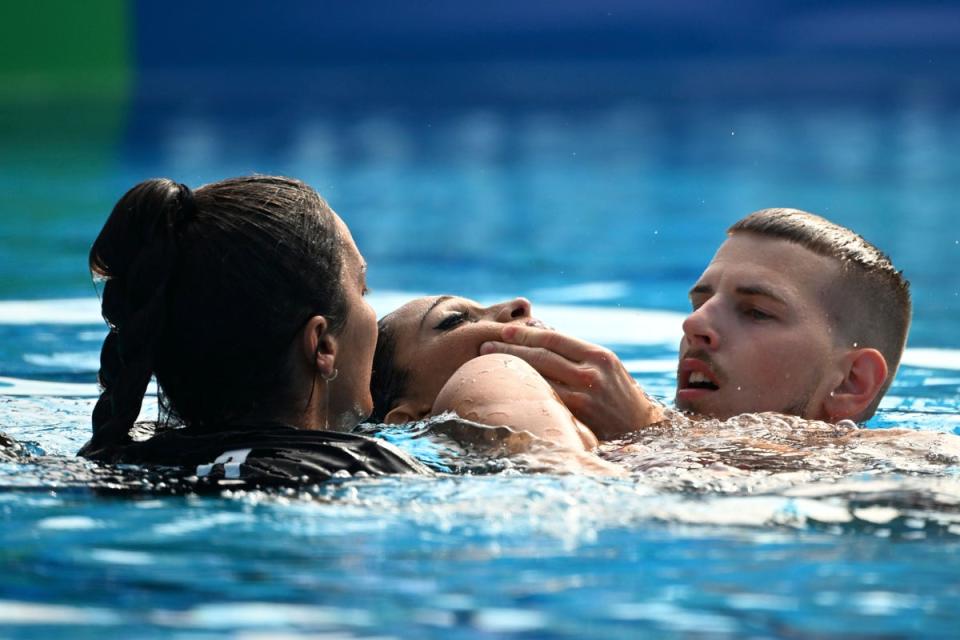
{"x":245,"y":300}
{"x":428,"y":362}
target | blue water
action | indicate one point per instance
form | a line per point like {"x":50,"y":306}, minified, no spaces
{"x":602,"y":214}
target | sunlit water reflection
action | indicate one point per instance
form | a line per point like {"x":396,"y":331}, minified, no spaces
{"x":603,"y":215}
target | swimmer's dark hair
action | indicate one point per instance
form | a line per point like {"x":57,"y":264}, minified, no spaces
{"x":388,"y":383}
{"x":870,"y":305}
{"x":206,"y":290}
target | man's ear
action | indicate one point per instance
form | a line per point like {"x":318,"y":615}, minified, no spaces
{"x":319,"y":346}
{"x":406,"y":412}
{"x":865,"y":371}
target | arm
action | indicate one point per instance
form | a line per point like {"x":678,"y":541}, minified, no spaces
{"x":500,"y":389}
{"x":590,"y":380}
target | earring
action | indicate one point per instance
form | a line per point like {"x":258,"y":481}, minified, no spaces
{"x":326,"y":397}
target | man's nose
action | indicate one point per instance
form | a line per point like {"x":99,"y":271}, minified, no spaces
{"x":699,"y":328}
{"x":512,"y":310}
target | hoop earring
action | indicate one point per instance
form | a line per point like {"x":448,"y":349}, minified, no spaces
{"x":331,"y":377}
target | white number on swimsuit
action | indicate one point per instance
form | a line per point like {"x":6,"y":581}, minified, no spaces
{"x":231,"y":461}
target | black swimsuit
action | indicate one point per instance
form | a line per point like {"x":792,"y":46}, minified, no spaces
{"x":260,"y":456}
{"x":269,"y":455}
{"x":192,"y":461}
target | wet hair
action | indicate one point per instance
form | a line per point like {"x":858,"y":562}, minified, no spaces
{"x":388,"y":382}
{"x":206,"y":290}
{"x":869,"y":305}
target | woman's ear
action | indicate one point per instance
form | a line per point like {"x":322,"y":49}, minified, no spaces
{"x":319,"y":346}
{"x":406,"y":412}
{"x":865,"y":371}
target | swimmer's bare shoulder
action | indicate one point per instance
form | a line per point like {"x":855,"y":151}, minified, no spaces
{"x":500,"y":389}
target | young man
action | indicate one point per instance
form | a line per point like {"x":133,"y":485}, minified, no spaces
{"x":794,"y":314}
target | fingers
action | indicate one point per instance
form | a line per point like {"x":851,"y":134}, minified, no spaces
{"x":552,"y":366}
{"x":589,"y":379}
{"x":567,"y":346}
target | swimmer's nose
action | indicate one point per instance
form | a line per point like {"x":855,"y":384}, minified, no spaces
{"x":699,"y":329}
{"x":511,"y":310}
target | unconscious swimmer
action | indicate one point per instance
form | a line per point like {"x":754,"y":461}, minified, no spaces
{"x":795,"y":316}
{"x":427,"y":363}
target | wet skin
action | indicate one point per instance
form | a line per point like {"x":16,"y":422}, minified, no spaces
{"x":349,"y":392}
{"x":435,"y":336}
{"x":759,"y":337}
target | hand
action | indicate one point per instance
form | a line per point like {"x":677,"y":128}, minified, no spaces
{"x":590,"y":379}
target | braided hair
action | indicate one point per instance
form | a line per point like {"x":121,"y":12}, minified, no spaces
{"x":206,"y":290}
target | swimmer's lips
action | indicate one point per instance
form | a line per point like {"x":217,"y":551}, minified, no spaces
{"x":687,"y":390}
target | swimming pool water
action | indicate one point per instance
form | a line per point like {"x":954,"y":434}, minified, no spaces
{"x":602,"y":214}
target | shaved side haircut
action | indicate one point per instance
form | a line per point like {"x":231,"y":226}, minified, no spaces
{"x":869,"y":304}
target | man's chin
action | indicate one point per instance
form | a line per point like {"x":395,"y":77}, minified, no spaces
{"x":687,"y":406}
{"x":702,"y":404}
{"x":709,"y":405}
{"x":693,"y":400}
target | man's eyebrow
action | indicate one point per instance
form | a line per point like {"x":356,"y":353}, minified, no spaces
{"x":700,"y":289}
{"x":757,"y":290}
{"x":746,"y":290}
{"x":439,"y":300}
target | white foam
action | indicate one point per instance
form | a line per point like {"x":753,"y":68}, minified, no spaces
{"x":24,"y":387}
{"x":651,"y":365}
{"x":928,"y":358}
{"x":57,"y":311}
{"x":615,"y":326}
{"x":75,"y":361}
{"x":68,"y":523}
{"x":587,"y":292}
{"x":36,"y":388}
{"x":13,"y":612}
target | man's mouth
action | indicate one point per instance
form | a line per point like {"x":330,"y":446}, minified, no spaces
{"x":695,"y":375}
{"x":697,"y":380}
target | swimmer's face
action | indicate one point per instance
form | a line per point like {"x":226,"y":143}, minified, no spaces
{"x":759,"y":337}
{"x":350,"y":400}
{"x":435,"y":336}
